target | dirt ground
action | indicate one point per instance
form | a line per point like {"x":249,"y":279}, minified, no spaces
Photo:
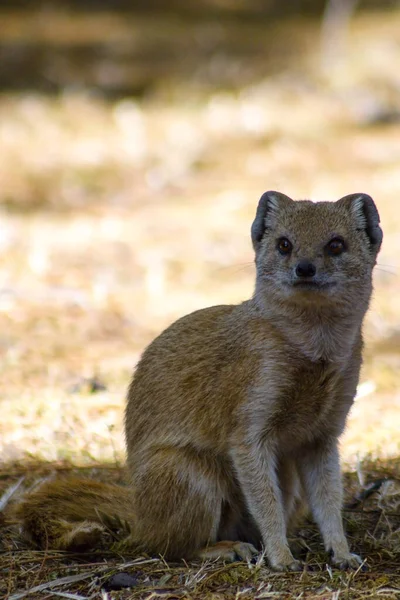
{"x":119,"y":216}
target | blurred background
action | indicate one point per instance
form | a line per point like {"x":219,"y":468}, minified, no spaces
{"x":136,"y":137}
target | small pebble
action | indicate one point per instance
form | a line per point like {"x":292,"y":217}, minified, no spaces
{"x":120,"y":581}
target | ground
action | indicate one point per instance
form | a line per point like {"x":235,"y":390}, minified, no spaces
{"x":120,"y":215}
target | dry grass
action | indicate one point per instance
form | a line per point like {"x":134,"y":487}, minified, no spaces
{"x":372,"y":518}
{"x":118,"y":217}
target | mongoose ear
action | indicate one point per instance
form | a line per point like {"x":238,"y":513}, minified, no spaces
{"x":366,"y":214}
{"x":268,"y":206}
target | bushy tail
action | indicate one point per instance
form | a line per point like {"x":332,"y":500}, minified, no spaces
{"x":77,"y":514}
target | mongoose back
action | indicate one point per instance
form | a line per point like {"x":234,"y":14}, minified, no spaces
{"x":234,"y":412}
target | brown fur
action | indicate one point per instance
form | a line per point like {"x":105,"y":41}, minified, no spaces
{"x":234,"y":412}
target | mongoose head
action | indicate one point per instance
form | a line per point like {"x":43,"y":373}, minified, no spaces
{"x":316,"y":253}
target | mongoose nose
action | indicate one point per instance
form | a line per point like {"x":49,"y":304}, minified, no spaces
{"x":305,"y":268}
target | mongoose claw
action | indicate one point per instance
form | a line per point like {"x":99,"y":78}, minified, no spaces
{"x":348,"y":561}
{"x":295,"y":565}
{"x":244,"y":551}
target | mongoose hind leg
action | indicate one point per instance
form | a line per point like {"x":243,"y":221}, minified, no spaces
{"x":179,"y":499}
{"x":237,"y":523}
{"x":293,"y":495}
{"x":238,"y":535}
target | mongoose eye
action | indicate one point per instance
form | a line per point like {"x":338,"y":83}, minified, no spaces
{"x":336,"y":247}
{"x":284,"y":246}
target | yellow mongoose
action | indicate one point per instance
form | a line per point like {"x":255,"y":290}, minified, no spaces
{"x":234,"y":412}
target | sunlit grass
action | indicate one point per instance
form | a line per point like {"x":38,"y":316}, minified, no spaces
{"x":119,"y":217}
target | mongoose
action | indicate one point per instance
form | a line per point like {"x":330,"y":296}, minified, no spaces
{"x":234,"y":412}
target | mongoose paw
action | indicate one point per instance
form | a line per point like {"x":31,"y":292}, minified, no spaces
{"x":229,"y":551}
{"x":244,"y":551}
{"x":348,"y":561}
{"x":294,"y":565}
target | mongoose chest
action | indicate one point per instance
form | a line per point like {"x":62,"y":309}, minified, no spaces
{"x":314,"y":403}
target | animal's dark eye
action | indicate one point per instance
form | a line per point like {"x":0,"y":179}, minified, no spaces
{"x":284,"y":246}
{"x":336,"y":247}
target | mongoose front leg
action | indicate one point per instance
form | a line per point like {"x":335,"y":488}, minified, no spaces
{"x":320,"y":469}
{"x":255,"y":465}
